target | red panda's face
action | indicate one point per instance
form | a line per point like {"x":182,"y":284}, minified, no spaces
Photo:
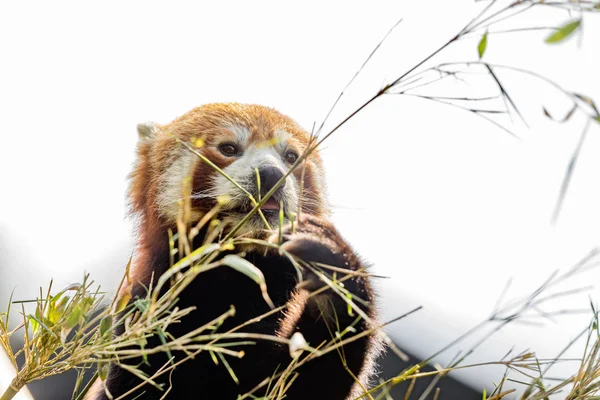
{"x":252,"y":165}
{"x":252,"y":146}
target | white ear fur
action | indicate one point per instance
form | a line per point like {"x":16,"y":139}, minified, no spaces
{"x":147,"y":130}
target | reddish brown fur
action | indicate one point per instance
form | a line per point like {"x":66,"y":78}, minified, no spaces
{"x":313,"y":239}
{"x":209,"y":123}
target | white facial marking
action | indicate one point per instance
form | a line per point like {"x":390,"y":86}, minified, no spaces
{"x":281,"y":139}
{"x":255,"y":156}
{"x":171,"y":186}
{"x":241,"y":133}
{"x":242,"y":170}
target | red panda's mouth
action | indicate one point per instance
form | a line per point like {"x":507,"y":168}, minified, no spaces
{"x":270,"y":204}
{"x":271,"y":207}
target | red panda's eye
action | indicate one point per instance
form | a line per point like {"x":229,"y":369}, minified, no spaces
{"x":291,"y":157}
{"x":229,"y":149}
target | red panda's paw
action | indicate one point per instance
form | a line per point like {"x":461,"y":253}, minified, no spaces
{"x":316,"y":242}
{"x":312,"y":227}
{"x":311,"y":239}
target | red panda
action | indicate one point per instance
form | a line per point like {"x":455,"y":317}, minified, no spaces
{"x":255,"y":146}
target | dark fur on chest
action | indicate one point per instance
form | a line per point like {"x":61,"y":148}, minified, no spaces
{"x":212,"y":293}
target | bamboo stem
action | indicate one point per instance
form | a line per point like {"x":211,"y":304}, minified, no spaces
{"x":12,"y":390}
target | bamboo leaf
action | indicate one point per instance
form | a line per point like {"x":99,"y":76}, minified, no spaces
{"x":103,"y":368}
{"x":251,"y":271}
{"x":213,"y":357}
{"x":563,"y":32}
{"x":587,"y":100}
{"x":74,"y":286}
{"x":350,"y":311}
{"x":195,"y":256}
{"x":229,"y":369}
{"x":106,"y":325}
{"x":280,"y":239}
{"x":163,"y":339}
{"x":482,"y":45}
{"x":56,"y":311}
{"x":73,"y":318}
{"x":123,"y":300}
{"x":569,"y":172}
{"x":40,"y":323}
{"x":79,"y":312}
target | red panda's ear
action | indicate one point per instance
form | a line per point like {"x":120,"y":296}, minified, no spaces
{"x":146,"y":131}
{"x":141,"y":176}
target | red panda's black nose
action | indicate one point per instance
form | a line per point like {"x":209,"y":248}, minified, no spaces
{"x":269,"y":176}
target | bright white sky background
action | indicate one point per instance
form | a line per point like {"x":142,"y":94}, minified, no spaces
{"x":444,"y":203}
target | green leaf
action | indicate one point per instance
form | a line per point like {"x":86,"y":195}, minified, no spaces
{"x":34,"y":325}
{"x":251,"y":271}
{"x":79,"y":312}
{"x":74,"y":317}
{"x":280,"y":237}
{"x":40,"y":323}
{"x":123,"y":301}
{"x":142,"y":304}
{"x":35,"y":320}
{"x":482,"y":45}
{"x":563,"y":32}
{"x":228,"y":367}
{"x":105,"y":325}
{"x":214,"y":357}
{"x":597,"y":118}
{"x":103,"y":368}
{"x":163,"y":339}
{"x":245,"y":267}
{"x":195,"y":256}
{"x":56,"y":311}
{"x":484,"y":394}
{"x":74,"y":286}
{"x":142,"y":342}
{"x":587,"y":100}
{"x":350,"y":311}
